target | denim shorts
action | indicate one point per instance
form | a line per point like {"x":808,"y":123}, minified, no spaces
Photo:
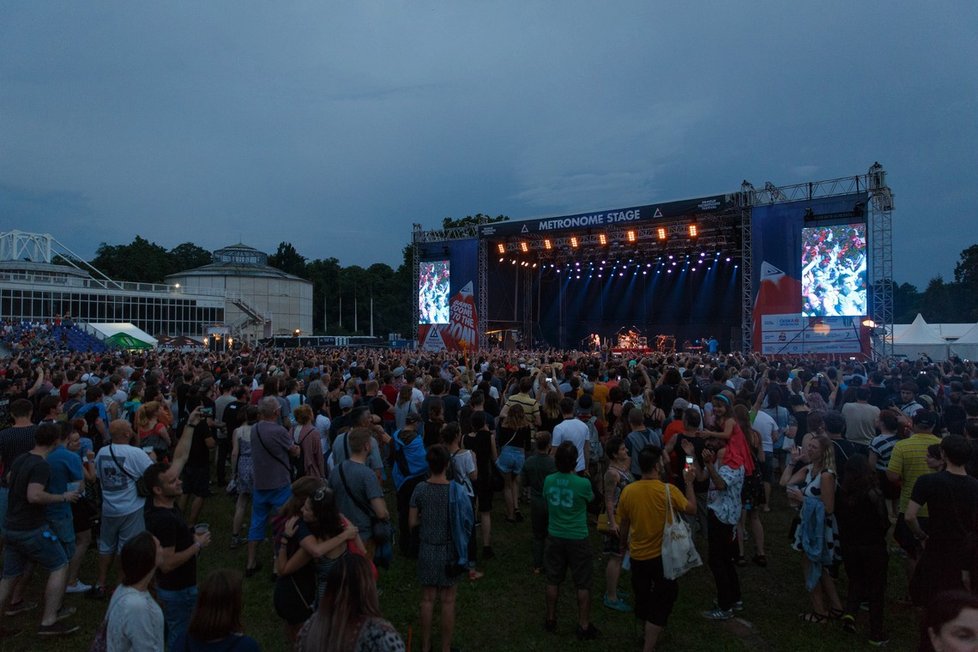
{"x":64,"y":529}
{"x":40,"y":546}
{"x":265,"y":502}
{"x":511,"y":460}
{"x":116,"y":531}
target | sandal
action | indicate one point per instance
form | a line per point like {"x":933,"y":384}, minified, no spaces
{"x":741,"y":561}
{"x":814,"y":617}
{"x":836,"y":614}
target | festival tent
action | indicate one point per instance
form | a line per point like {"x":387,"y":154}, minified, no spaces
{"x":121,"y":335}
{"x":918,"y":339}
{"x":966,"y":346}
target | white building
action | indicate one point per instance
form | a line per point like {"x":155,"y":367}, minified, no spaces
{"x":260,"y":301}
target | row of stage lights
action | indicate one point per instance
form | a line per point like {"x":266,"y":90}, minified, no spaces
{"x":668,"y":263}
{"x":631,"y":237}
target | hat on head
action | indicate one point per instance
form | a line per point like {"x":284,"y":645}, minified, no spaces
{"x":76,"y":389}
{"x":346,"y":402}
{"x":680,"y":404}
{"x":398,"y":372}
{"x":925,"y":418}
{"x":927,"y":400}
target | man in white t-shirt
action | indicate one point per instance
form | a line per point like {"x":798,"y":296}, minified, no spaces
{"x":861,"y":420}
{"x":118,"y":466}
{"x":767,"y":428}
{"x":573,"y":430}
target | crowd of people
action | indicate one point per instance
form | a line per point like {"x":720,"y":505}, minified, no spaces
{"x":121,"y":451}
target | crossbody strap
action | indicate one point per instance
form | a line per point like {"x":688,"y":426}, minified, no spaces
{"x":272,"y":455}
{"x":356,"y":501}
{"x":121,"y":467}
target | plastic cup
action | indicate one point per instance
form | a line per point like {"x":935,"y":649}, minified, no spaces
{"x":202,"y":528}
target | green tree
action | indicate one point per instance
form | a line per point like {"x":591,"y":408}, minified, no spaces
{"x":471,"y":220}
{"x":906,"y":303}
{"x":140,"y":261}
{"x":324,"y":275}
{"x":936,"y":303}
{"x":287,"y":259}
{"x":189,"y":256}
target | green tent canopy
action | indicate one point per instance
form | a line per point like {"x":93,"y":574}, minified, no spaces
{"x":126,"y":341}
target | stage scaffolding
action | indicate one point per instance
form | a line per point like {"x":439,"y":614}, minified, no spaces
{"x":719,"y":232}
{"x":879,"y":228}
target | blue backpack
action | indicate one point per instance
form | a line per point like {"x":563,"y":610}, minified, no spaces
{"x":409,"y":459}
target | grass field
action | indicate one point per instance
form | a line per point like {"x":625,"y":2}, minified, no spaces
{"x":505,"y":609}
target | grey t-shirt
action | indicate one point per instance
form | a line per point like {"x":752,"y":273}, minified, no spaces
{"x":363,"y":485}
{"x":374,"y":460}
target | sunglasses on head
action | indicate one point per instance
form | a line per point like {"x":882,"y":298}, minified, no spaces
{"x":321,"y":493}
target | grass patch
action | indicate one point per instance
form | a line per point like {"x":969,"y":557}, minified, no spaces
{"x":505,"y":610}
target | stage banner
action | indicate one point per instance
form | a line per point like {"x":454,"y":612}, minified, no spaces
{"x":461,"y":331}
{"x":614,"y":217}
{"x":776,"y":239}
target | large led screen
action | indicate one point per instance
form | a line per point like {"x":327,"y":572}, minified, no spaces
{"x":833,"y":275}
{"x":434,"y":281}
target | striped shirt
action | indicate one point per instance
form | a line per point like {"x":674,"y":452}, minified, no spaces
{"x":909,"y":461}
{"x":883,"y":445}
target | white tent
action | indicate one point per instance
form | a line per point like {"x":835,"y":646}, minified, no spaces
{"x":966,"y":346}
{"x":106,"y":330}
{"x":918,"y":339}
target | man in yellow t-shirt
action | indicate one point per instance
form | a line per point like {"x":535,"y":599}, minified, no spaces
{"x":907,"y":463}
{"x":642,"y":513}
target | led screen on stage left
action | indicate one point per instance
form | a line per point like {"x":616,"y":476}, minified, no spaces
{"x":833,"y":276}
{"x":434,"y":286}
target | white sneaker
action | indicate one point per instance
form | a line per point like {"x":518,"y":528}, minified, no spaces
{"x":78,"y":587}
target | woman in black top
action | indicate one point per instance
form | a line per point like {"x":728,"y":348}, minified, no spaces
{"x":863,"y":521}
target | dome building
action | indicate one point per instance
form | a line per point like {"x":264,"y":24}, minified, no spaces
{"x":260,"y":300}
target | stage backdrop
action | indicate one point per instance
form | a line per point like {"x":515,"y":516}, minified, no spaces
{"x":779,"y":327}
{"x":447,"y":288}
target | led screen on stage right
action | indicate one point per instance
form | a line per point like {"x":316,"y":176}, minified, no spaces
{"x":434,"y":281}
{"x":833,"y":275}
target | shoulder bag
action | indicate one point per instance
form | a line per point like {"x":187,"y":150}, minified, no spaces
{"x":678,"y":551}
{"x":141,"y":490}
{"x":380,"y":531}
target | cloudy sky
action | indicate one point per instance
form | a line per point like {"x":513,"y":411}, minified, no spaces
{"x":336,"y":125}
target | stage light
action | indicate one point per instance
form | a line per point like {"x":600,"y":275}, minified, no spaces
{"x":602,"y":239}
{"x":728,"y":259}
{"x":501,"y":259}
{"x":525,"y":247}
{"x":670,"y":256}
{"x":534,"y":265}
{"x":501,"y":248}
{"x":693,"y":230}
{"x":632,"y":236}
{"x":547,"y":244}
{"x":661,"y":233}
{"x":513,"y":261}
{"x":702,"y":253}
{"x":573,"y":242}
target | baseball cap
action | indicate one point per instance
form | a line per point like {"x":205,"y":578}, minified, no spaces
{"x":925,"y":418}
{"x":76,"y":389}
{"x":398,"y":372}
{"x":346,"y":402}
{"x":680,"y":404}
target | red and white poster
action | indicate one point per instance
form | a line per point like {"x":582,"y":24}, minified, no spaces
{"x":461,"y":331}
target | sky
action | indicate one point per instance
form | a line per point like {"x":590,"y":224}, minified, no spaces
{"x":337,"y":125}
